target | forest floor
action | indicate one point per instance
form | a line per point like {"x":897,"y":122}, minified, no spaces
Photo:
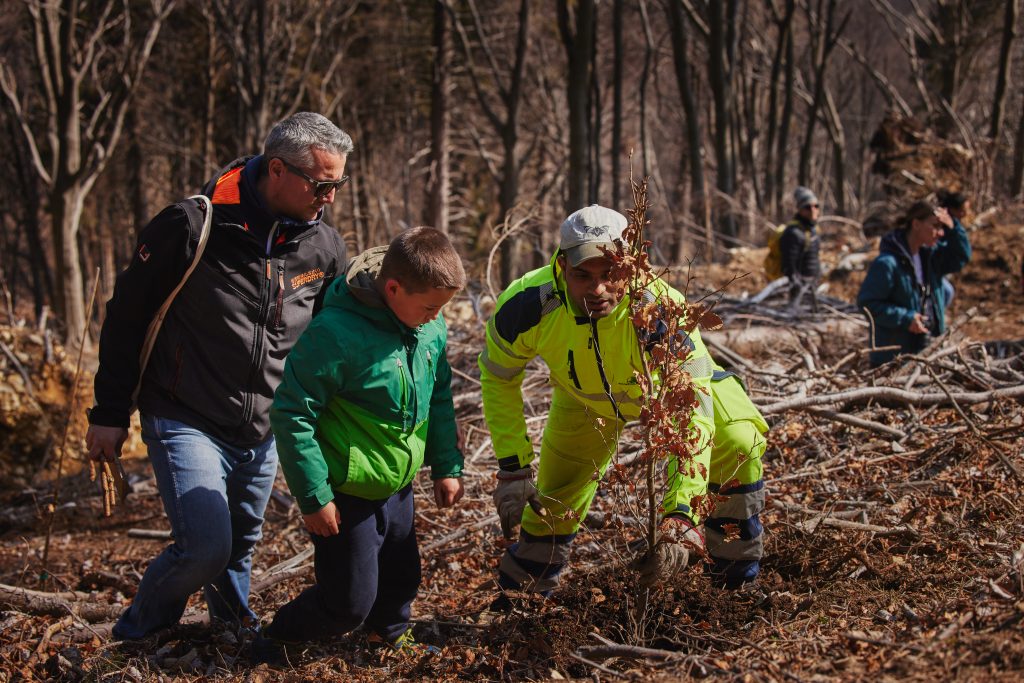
{"x":886,"y":559}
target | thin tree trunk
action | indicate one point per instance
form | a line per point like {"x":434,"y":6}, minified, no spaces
{"x":617,"y":18}
{"x":645,"y":73}
{"x":771,"y":181}
{"x":787,"y":117}
{"x":720,"y":78}
{"x":1017,"y":182}
{"x":694,"y":145}
{"x":1003,"y":79}
{"x":438,"y":185}
{"x":577,"y":29}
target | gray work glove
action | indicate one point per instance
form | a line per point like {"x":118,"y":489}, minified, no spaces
{"x":514,"y":491}
{"x":670,"y":556}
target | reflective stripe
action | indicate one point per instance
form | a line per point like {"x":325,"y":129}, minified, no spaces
{"x":544,"y":549}
{"x":494,"y":338}
{"x":550,"y":302}
{"x":740,"y":505}
{"x":499,"y":371}
{"x":699,"y":367}
{"x":621,"y":397}
{"x":706,"y":406}
{"x":749,"y":546}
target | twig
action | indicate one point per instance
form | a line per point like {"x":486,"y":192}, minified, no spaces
{"x":67,"y":422}
{"x":19,"y":367}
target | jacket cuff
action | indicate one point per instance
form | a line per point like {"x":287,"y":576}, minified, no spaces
{"x":446,"y":471}
{"x":106,"y":417}
{"x":317,"y":500}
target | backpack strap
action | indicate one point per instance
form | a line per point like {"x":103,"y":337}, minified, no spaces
{"x":198,"y":210}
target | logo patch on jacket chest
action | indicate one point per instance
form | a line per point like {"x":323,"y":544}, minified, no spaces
{"x":306,"y":278}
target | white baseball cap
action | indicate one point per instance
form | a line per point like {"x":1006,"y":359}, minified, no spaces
{"x":587,"y":230}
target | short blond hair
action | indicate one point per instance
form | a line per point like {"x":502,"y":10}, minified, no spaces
{"x":423,"y":258}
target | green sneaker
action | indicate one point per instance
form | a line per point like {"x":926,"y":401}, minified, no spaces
{"x":404,"y":644}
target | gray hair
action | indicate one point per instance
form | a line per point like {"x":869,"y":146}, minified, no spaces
{"x":293,"y":138}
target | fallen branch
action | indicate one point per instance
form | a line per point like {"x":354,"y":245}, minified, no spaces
{"x":824,"y":518}
{"x":860,"y":422}
{"x":152,"y":534}
{"x":866,"y":394}
{"x":58,"y":604}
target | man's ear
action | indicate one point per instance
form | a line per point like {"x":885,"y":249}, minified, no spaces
{"x":275,"y":168}
{"x":560,"y":260}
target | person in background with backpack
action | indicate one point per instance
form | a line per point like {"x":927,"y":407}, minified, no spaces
{"x":204,"y":396}
{"x":799,"y":247}
{"x":902,"y":291}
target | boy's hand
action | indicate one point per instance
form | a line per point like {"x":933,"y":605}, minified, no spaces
{"x":323,"y":522}
{"x":447,"y":492}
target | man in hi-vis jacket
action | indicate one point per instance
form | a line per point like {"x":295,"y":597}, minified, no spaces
{"x":571,"y":315}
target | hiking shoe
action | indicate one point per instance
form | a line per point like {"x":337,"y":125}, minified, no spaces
{"x":269,"y":651}
{"x":404,"y":644}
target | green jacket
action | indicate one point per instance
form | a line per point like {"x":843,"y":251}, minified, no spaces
{"x":365,"y":401}
{"x":533,"y":318}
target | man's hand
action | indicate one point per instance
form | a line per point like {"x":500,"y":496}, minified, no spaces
{"x":514,"y":491}
{"x":942,"y":213}
{"x":447,"y":491}
{"x":323,"y":522}
{"x":104,"y":443}
{"x":917,"y":325}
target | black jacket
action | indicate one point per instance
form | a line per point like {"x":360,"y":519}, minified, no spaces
{"x":221,"y":350}
{"x":799,"y":246}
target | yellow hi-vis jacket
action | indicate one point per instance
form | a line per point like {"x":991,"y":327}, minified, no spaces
{"x":535,"y":317}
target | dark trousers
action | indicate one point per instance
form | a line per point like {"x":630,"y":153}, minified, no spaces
{"x":367,"y":574}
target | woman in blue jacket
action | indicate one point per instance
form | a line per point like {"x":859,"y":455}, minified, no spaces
{"x":902,"y":292}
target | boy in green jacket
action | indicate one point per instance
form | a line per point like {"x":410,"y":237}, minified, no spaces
{"x":364,"y":403}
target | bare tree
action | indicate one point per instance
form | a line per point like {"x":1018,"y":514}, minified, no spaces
{"x":438,"y":182}
{"x":680,"y":32}
{"x":577,"y":26}
{"x":274,"y":47}
{"x":1003,"y":79}
{"x":824,"y":33}
{"x":509,"y":93}
{"x":90,"y":58}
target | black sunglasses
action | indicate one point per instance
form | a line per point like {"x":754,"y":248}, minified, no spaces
{"x":321,"y":188}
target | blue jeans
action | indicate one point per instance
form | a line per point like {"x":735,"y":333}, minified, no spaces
{"x":214,"y":495}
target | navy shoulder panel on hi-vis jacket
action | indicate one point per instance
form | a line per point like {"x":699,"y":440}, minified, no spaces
{"x":592,"y":360}
{"x":221,"y":350}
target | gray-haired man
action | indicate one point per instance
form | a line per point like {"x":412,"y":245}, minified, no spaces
{"x":206,"y":391}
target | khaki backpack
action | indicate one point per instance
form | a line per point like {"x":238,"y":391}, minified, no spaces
{"x":773,"y":259}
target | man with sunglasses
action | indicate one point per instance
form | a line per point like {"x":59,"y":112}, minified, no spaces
{"x":800,"y":246}
{"x":204,"y":396}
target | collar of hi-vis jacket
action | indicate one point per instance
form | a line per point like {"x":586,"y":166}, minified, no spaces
{"x":581,"y":318}
{"x":236,"y":190}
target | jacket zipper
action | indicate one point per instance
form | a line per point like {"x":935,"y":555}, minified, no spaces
{"x":600,"y":370}
{"x":259,"y":331}
{"x":279,"y":304}
{"x":405,"y":394}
